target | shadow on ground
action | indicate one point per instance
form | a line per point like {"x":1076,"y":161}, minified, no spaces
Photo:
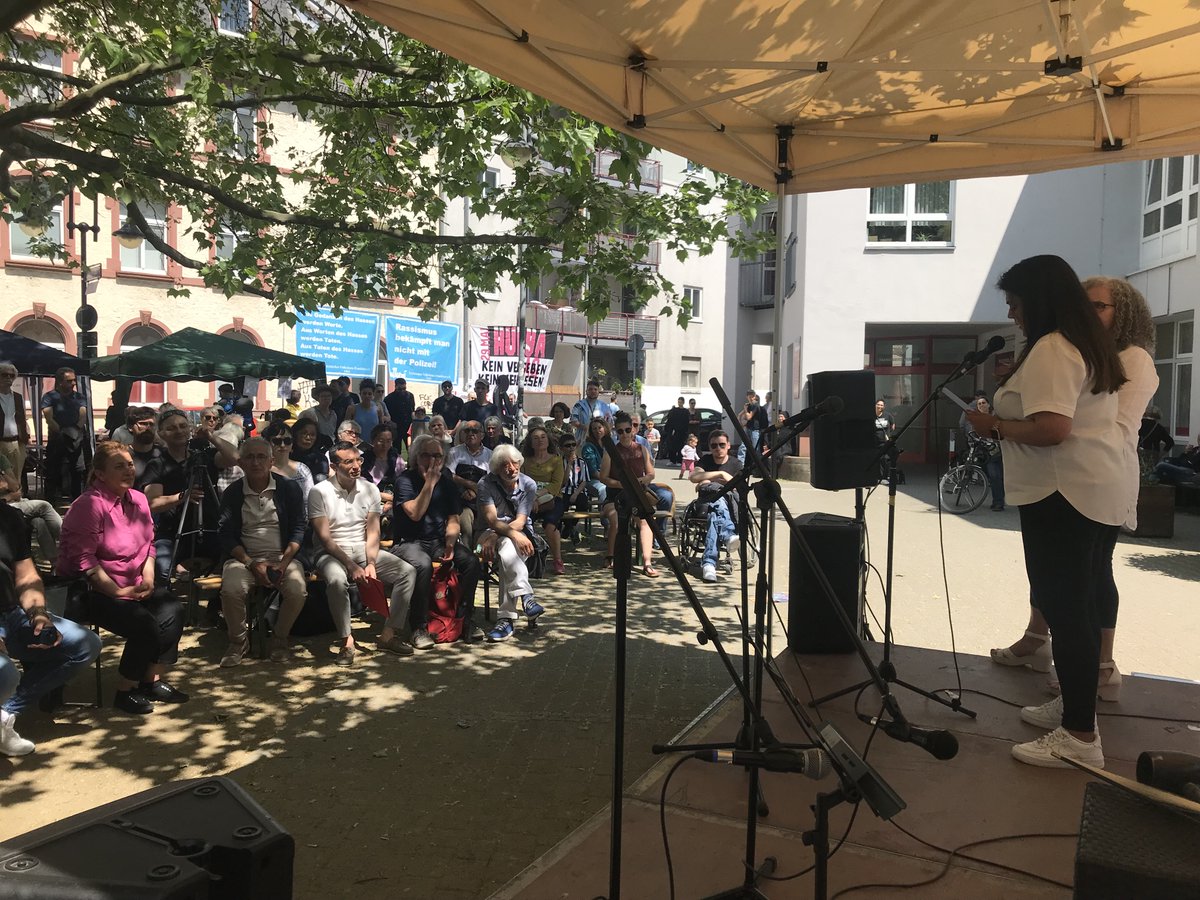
{"x":435,"y":776}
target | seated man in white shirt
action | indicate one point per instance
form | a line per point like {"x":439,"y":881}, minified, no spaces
{"x":471,"y":452}
{"x":344,"y":512}
{"x":506,"y":501}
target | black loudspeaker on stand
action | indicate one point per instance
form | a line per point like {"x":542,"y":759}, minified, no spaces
{"x":837,"y":541}
{"x":203,"y":839}
{"x":843,"y":444}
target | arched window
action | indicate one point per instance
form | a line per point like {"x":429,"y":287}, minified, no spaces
{"x":44,"y":331}
{"x":143,"y":393}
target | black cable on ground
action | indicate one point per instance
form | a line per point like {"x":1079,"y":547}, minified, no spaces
{"x":662,"y":821}
{"x":958,"y":851}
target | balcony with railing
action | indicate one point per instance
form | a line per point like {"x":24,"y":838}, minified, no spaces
{"x":756,"y":284}
{"x":615,"y":328}
{"x":652,"y":256}
{"x":650,"y":170}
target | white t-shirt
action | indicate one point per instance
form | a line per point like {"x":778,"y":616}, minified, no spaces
{"x":346,"y":511}
{"x":1132,"y":399}
{"x":9,"y":405}
{"x":1088,"y":468}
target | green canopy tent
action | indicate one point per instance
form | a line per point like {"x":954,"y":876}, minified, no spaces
{"x":194,"y":355}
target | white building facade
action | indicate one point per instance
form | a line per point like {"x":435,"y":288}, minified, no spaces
{"x":901,"y":280}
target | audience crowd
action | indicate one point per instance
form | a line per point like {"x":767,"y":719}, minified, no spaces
{"x":359,"y":500}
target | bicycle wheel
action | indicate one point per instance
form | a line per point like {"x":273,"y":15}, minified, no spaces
{"x":963,"y":489}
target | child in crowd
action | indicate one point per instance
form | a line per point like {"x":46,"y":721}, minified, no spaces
{"x":420,"y":422}
{"x":690,"y":455}
{"x":654,"y":437}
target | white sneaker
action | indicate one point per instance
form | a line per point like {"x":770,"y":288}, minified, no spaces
{"x":709,"y":573}
{"x":1047,"y":716}
{"x":1060,"y":741}
{"x":11,"y":743}
{"x":732,"y":546}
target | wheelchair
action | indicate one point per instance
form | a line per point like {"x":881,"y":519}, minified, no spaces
{"x":693,"y":530}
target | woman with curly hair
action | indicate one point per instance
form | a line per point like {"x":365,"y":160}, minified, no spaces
{"x":1123,"y":312}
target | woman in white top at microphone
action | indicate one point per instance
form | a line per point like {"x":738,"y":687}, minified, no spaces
{"x":1064,"y":461}
{"x":1124,"y":312}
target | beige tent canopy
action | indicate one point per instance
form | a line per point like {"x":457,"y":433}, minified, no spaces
{"x":847,"y":93}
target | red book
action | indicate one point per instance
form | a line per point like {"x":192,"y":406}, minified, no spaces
{"x":373,"y":595}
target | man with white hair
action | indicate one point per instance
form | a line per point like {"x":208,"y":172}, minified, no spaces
{"x":506,"y":502}
{"x":261,"y":530}
{"x":14,"y":423}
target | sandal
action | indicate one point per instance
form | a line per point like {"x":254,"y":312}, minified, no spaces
{"x":608,"y":562}
{"x":1039,"y":660}
{"x":650,"y":572}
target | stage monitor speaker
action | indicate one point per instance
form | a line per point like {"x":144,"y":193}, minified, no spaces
{"x":844,"y":445}
{"x":1130,"y":846}
{"x":837,"y":543}
{"x":203,"y":839}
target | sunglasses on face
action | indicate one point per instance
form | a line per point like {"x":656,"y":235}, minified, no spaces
{"x":470,"y":431}
{"x":430,"y":455}
{"x":569,"y":446}
{"x":624,"y":430}
{"x":209,"y":416}
{"x":715,"y":446}
{"x":281,"y":442}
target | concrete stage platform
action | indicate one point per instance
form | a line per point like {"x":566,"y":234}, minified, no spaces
{"x":981,"y":793}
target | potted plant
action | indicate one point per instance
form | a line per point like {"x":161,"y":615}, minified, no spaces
{"x":1156,"y":502}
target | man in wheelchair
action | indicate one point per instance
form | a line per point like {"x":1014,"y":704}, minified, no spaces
{"x":713,"y":470}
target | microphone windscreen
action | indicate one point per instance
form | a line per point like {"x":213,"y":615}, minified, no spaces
{"x":942,"y":744}
{"x":816,"y":763}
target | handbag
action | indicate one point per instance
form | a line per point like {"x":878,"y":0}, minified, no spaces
{"x":445,"y":625}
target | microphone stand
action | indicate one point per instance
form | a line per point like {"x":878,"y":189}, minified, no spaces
{"x":634,"y":494}
{"x":889,"y":449}
{"x":767,"y":492}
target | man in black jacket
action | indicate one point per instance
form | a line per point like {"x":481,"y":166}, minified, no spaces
{"x":261,"y":529}
{"x":400,"y":404}
{"x":448,"y":406}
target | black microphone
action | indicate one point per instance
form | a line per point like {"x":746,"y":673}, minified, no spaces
{"x":831,"y":405}
{"x":995,"y":344}
{"x":812,"y":762}
{"x":939,"y":744}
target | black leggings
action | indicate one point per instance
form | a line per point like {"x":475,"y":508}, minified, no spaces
{"x":151,"y":628}
{"x":1107,"y":598}
{"x":1065,"y":559}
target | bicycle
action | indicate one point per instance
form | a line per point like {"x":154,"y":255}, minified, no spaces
{"x":964,"y":488}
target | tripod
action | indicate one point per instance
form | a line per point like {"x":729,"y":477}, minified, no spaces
{"x":198,"y":479}
{"x":891,"y":452}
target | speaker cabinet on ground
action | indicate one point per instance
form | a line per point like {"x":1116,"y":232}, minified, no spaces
{"x":204,"y":839}
{"x":837,"y":543}
{"x":844,"y":445}
{"x":1130,"y":846}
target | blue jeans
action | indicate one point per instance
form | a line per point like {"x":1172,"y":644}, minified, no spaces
{"x":720,"y":530}
{"x":753,"y":435}
{"x":44,"y":670}
{"x":598,"y":489}
{"x":995,"y":473}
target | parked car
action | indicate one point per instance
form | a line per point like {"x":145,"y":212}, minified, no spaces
{"x":710,"y":420}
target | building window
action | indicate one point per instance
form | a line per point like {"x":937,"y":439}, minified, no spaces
{"x":1169,"y":207}
{"x":143,"y":393}
{"x":372,"y":285}
{"x":22,"y":244}
{"x":234,"y":17}
{"x":1173,"y":349}
{"x":243,"y":142}
{"x":38,"y":90}
{"x":225,"y":241}
{"x":912,"y":214}
{"x":689,"y":374}
{"x":692,"y":302}
{"x":144,"y":257}
{"x":490,"y":178}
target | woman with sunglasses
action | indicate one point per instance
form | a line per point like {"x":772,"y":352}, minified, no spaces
{"x":637,"y":460}
{"x":282,"y":463}
{"x":308,"y":448}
